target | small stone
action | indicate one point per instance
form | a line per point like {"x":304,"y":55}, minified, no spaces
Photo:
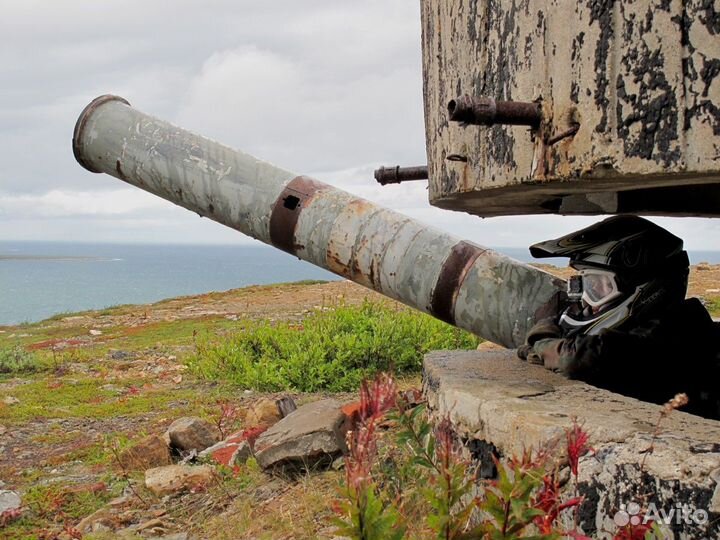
{"x":149,"y":524}
{"x":176,"y":478}
{"x":152,"y":451}
{"x":95,"y":332}
{"x":190,"y":433}
{"x":113,"y":388}
{"x":285,"y":405}
{"x":263,"y":412}
{"x":9,"y":500}
{"x":10,"y":400}
{"x":412,"y":397}
{"x":103,"y":516}
{"x":120,"y":502}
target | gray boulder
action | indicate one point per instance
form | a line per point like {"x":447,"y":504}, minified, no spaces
{"x":308,"y":437}
{"x":190,"y":433}
{"x":9,"y":500}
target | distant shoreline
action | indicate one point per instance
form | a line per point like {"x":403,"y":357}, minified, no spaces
{"x":50,"y":258}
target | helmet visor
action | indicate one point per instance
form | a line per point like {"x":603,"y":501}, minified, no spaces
{"x":599,"y":287}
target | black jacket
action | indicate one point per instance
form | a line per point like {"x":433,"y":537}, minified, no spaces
{"x":678,"y":351}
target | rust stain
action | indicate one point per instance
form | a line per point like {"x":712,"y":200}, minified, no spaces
{"x":356,"y":207}
{"x":286,"y":211}
{"x":452,"y":274}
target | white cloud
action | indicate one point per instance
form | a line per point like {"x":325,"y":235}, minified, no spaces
{"x":59,"y":203}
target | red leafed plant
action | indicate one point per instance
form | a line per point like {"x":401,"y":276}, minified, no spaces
{"x":577,"y":445}
{"x":423,"y":483}
{"x":377,"y":397}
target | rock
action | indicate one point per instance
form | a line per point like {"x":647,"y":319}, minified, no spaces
{"x":190,"y":433}
{"x":172,"y":479}
{"x":96,"y":332}
{"x":119,"y":355}
{"x":412,"y":397}
{"x":113,"y":388}
{"x":263,"y":412}
{"x":152,"y":451}
{"x":228,"y":453}
{"x":285,"y":405}
{"x":489,"y":346}
{"x":3,"y":430}
{"x":10,"y":400}
{"x":9,"y":500}
{"x":311,"y":435}
{"x":100,"y":518}
{"x":149,"y":524}
{"x":352,"y":413}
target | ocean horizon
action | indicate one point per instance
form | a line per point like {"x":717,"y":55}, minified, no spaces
{"x":42,"y":279}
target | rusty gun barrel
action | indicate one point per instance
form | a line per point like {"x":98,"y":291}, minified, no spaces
{"x":457,"y":281}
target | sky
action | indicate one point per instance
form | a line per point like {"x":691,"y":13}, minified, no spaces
{"x":330,"y":88}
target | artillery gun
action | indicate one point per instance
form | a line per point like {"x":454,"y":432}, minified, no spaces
{"x":457,"y":281}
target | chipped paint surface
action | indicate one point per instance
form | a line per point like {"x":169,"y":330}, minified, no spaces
{"x":637,"y":79}
{"x":457,"y":281}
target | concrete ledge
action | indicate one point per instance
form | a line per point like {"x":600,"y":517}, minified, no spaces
{"x":497,"y":401}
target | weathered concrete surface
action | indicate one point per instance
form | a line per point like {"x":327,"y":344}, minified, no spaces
{"x":639,"y":77}
{"x":312,"y":434}
{"x":501,"y":404}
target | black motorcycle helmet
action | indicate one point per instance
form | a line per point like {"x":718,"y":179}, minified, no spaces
{"x":630,"y":270}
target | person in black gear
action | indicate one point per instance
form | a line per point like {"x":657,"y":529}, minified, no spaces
{"x":625,"y":324}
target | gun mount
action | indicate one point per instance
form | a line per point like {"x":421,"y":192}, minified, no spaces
{"x":454,"y":280}
{"x":572,"y":107}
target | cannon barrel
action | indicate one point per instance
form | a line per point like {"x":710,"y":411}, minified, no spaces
{"x":454,"y":280}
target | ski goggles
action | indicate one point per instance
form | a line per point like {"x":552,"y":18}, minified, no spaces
{"x":594,"y":287}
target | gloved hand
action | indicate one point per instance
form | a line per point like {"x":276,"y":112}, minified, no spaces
{"x":547,"y":353}
{"x":542,"y":344}
{"x":543,"y":329}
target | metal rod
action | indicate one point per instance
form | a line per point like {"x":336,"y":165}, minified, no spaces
{"x":397,"y":174}
{"x":454,"y":280}
{"x":486,"y":111}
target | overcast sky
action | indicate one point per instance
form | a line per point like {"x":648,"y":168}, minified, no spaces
{"x":327,"y":88}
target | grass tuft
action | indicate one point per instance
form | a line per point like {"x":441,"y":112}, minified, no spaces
{"x":331,"y":350}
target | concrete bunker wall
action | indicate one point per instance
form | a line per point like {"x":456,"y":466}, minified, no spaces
{"x":499,"y":404}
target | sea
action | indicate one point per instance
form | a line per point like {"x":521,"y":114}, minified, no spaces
{"x":39,"y":280}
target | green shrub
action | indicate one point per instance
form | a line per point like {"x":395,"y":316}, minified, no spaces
{"x":16,"y":360}
{"x":330,"y":350}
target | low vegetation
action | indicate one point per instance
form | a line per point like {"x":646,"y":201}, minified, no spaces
{"x":17,"y":361}
{"x":333,"y":349}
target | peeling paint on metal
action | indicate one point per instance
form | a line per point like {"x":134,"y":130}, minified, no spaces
{"x":640,"y":77}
